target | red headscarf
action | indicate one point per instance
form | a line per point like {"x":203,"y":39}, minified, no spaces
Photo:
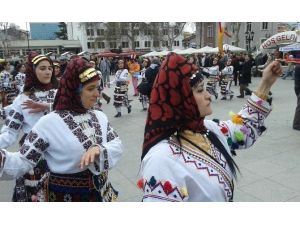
{"x":31,"y":80}
{"x":172,"y":106}
{"x":68,"y":94}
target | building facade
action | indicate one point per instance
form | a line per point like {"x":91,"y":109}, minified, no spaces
{"x":93,"y":39}
{"x":20,"y":48}
{"x":207,"y":33}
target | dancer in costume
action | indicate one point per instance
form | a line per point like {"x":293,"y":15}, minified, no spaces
{"x":78,"y":143}
{"x":35,"y":101}
{"x":121,"y":89}
{"x":187,"y":158}
{"x":227,"y":78}
{"x":8,"y":90}
{"x":212,"y":73}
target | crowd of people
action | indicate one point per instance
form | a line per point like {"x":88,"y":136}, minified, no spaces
{"x":69,"y":146}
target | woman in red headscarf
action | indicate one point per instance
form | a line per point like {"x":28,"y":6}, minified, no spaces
{"x":35,"y":101}
{"x":187,"y":158}
{"x":77,"y":142}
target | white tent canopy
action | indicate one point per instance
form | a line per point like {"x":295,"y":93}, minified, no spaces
{"x":188,"y":51}
{"x":206,"y":49}
{"x":227,"y":47}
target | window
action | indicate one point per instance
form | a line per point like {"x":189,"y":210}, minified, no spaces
{"x":209,"y":31}
{"x":136,"y":32}
{"x":101,"y":45}
{"x":147,"y":44}
{"x":147,"y":32}
{"x":155,"y":43}
{"x":125,"y":45}
{"x":91,"y":45}
{"x":89,"y":32}
{"x":248,"y":26}
{"x":100,"y":32}
{"x":176,"y":43}
{"x":113,"y":44}
{"x":264,"y":26}
{"x":176,"y":31}
{"x":124,"y":32}
{"x":165,"y":32}
{"x":47,"y":50}
{"x":136,"y":44}
{"x":164,"y":43}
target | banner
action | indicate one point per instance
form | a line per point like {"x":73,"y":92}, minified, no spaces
{"x":279,"y":39}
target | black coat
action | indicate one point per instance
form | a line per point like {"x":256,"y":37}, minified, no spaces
{"x":145,"y":87}
{"x":245,"y":75}
{"x":297,"y":80}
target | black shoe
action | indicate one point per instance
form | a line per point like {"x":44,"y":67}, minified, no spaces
{"x":216,"y":96}
{"x":144,"y":109}
{"x":224,"y":98}
{"x":231,"y":97}
{"x":270,"y":93}
{"x":108,"y":100}
{"x":248,"y":92}
{"x":118,"y":114}
{"x":240,"y":96}
{"x":129,"y":109}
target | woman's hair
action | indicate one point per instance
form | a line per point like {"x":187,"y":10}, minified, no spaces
{"x":148,"y":62}
{"x":19,"y":66}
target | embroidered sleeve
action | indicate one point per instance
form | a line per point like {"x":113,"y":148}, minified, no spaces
{"x":2,"y":160}
{"x":111,"y":134}
{"x":13,"y":124}
{"x":110,"y":145}
{"x":29,"y":154}
{"x":34,"y":147}
{"x":159,"y":180}
{"x":246,"y":126}
{"x":159,"y":190}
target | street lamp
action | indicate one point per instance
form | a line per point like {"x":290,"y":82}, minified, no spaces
{"x":27,"y":33}
{"x":249,"y":37}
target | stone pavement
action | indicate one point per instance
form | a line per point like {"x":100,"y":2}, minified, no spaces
{"x":270,"y":170}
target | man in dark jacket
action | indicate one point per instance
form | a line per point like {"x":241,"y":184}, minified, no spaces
{"x":150,"y":75}
{"x":245,"y":76}
{"x":296,"y":123}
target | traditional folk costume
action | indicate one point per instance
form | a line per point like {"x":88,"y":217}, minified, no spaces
{"x":227,"y":77}
{"x":212,"y":73}
{"x":30,"y":186}
{"x":121,"y":91}
{"x":62,"y":137}
{"x":20,"y":81}
{"x":187,"y":158}
{"x":7,"y":88}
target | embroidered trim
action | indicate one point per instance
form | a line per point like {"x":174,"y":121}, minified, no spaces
{"x":2,"y":158}
{"x":163,"y":191}
{"x":207,"y":164}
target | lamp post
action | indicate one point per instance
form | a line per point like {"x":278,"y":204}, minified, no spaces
{"x":27,"y":33}
{"x":249,"y":37}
